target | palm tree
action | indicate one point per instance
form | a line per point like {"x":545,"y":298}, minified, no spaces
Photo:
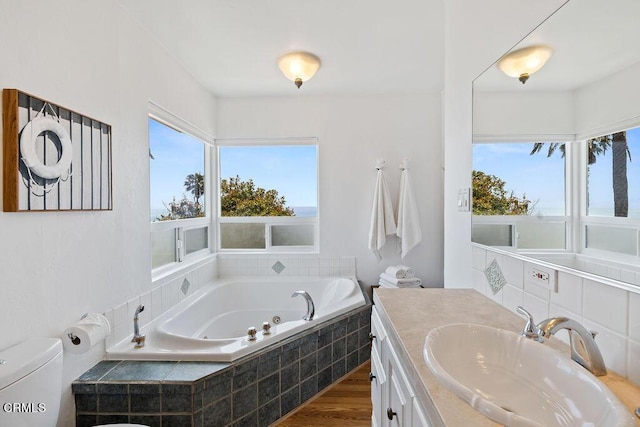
{"x":194,"y":183}
{"x":597,"y":146}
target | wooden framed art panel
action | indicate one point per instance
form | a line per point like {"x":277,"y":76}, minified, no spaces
{"x":55,"y":159}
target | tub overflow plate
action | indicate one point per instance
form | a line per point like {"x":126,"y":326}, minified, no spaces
{"x":276,"y":320}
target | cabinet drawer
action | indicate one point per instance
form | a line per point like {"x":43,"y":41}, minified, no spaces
{"x":378,"y":333}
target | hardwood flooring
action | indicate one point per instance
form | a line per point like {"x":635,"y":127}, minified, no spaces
{"x":346,"y":404}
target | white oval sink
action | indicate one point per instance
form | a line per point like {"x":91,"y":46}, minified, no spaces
{"x":518,"y":382}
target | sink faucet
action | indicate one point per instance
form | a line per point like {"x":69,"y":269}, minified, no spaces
{"x":584,"y":349}
{"x":137,"y":337}
{"x":311,"y":309}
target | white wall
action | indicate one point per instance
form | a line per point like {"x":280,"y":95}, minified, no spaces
{"x":476,"y":34}
{"x":500,"y":116}
{"x":90,"y":57}
{"x":353,"y":132}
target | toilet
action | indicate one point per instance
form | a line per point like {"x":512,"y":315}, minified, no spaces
{"x":31,"y":384}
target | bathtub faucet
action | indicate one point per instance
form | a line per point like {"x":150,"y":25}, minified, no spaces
{"x":137,"y":337}
{"x":311,"y":308}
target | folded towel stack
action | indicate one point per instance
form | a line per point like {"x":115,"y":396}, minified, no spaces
{"x":399,"y":276}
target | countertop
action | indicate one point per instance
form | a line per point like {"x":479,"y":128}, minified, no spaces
{"x":414,"y":312}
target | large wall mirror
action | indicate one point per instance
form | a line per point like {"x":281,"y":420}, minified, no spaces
{"x":556,"y":159}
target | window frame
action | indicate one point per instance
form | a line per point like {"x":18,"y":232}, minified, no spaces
{"x":268,"y":221}
{"x":180,"y":226}
{"x":514,"y":220}
{"x":576,"y":196}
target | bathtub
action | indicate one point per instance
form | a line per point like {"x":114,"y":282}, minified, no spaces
{"x":211,"y":324}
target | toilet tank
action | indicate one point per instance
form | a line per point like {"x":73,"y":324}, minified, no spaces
{"x":31,"y":383}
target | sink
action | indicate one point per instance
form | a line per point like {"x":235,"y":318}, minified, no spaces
{"x":518,"y":382}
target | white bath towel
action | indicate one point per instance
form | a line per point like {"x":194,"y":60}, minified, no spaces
{"x":383,"y":222}
{"x":408,"y":229}
{"x":413,"y":284}
{"x":400,"y":271}
{"x":399,"y":282}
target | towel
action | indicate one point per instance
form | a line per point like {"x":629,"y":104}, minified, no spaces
{"x":399,"y":282}
{"x":386,"y":284}
{"x":408,"y":229}
{"x":400,"y":271}
{"x":383,"y":222}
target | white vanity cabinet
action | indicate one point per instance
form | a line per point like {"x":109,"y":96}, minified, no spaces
{"x":394,"y":401}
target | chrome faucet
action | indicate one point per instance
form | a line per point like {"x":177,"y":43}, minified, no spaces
{"x":137,"y":337}
{"x":584,"y":349}
{"x":311,"y":308}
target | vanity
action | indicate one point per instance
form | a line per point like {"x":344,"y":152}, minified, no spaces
{"x":403,"y":389}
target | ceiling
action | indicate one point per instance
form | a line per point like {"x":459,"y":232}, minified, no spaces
{"x":592,"y":39}
{"x":366,"y":46}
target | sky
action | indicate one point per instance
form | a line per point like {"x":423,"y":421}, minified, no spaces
{"x":290,"y":169}
{"x":541,"y":178}
{"x":175,"y":155}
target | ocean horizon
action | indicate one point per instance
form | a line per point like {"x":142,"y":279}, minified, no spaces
{"x":300,"y":211}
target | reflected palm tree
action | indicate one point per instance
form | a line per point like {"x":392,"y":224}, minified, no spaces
{"x":617,"y":142}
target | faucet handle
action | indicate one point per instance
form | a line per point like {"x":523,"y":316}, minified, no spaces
{"x":530,"y":330}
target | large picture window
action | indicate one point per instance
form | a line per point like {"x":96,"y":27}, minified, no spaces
{"x":180,"y":223}
{"x":519,"y":195}
{"x":268,"y":195}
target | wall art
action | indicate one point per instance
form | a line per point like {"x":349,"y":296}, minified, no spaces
{"x":54,"y":158}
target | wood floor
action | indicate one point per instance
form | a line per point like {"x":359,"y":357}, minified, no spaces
{"x":345,"y":404}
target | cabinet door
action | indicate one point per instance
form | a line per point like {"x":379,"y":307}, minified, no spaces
{"x":378,"y":384}
{"x":397,"y":409}
{"x":378,"y":334}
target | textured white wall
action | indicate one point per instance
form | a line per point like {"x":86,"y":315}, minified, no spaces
{"x":353,"y":132}
{"x":90,"y":57}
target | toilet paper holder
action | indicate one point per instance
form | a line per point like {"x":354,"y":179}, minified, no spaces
{"x":74,"y":339}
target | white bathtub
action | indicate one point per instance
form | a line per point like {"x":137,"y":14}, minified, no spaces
{"x":212,"y":323}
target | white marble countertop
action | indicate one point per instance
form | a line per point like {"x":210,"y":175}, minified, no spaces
{"x":409,"y":315}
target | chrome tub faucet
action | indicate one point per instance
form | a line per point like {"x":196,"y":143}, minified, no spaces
{"x":137,"y":337}
{"x":584,"y":349}
{"x":311,"y":308}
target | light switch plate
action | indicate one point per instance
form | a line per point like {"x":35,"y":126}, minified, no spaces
{"x":464,"y":199}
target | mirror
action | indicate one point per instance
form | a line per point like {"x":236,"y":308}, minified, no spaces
{"x":575,"y":108}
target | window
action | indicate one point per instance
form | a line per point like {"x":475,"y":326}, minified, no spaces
{"x":268,"y":195}
{"x":519,"y":195}
{"x":612,"y":205}
{"x":180,"y":223}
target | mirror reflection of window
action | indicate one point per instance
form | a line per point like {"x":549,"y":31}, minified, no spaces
{"x":613,"y":175}
{"x":512,"y":179}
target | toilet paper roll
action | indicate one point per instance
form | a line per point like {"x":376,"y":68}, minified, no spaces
{"x":82,"y":336}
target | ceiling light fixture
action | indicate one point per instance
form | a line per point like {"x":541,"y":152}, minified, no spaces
{"x":523,"y":62}
{"x":298,"y":66}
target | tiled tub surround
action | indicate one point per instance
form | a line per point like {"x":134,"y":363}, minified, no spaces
{"x":211,"y":325}
{"x":253,"y":391}
{"x":612,"y":311}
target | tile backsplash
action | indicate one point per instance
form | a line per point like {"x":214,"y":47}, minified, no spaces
{"x":613,"y":312}
{"x":285,"y":266}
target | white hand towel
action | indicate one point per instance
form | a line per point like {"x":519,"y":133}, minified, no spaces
{"x":400,"y":271}
{"x":394,"y":281}
{"x":409,"y":272}
{"x":383,"y":222}
{"x":408,"y":229}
